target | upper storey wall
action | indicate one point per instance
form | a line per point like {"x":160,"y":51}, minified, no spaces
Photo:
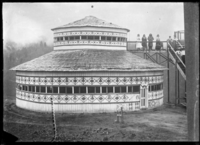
{"x":90,"y":38}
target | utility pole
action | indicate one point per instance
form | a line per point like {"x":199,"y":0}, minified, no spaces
{"x":191,"y":17}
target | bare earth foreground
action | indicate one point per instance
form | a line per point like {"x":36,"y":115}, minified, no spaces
{"x":165,"y":123}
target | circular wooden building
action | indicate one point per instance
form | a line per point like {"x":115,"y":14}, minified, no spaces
{"x":89,"y":71}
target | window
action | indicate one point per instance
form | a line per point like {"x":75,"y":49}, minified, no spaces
{"x":97,"y":89}
{"x":114,"y":39}
{"x":91,"y":89}
{"x":43,"y":89}
{"x":33,"y":88}
{"x":123,"y":89}
{"x":62,"y":90}
{"x":37,"y":89}
{"x":90,"y":37}
{"x":76,"y":90}
{"x":130,"y":89}
{"x":55,"y":89}
{"x":104,"y":89}
{"x":96,"y":37}
{"x":119,"y":39}
{"x":71,"y":38}
{"x":77,"y":37}
{"x":58,"y":39}
{"x":69,"y":90}
{"x":110,"y":89}
{"x":66,"y":38}
{"x":103,"y":38}
{"x":82,"y":89}
{"x":84,"y":37}
{"x":30,"y":88}
{"x":136,"y":89}
{"x":109,"y":38}
{"x":49,"y":90}
{"x":117,"y":89}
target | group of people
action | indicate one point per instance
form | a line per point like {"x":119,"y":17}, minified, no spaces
{"x":174,"y":44}
{"x":150,"y":38}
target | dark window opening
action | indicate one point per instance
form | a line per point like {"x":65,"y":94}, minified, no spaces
{"x":84,"y":37}
{"x":37,"y":89}
{"x":66,"y":38}
{"x":117,"y":89}
{"x":136,"y":89}
{"x":130,"y":89}
{"x":62,"y":90}
{"x":104,"y":89}
{"x":90,"y":37}
{"x":91,"y":90}
{"x":76,"y":90}
{"x":49,"y":89}
{"x":114,"y":39}
{"x":103,"y":38}
{"x":83,"y":89}
{"x":69,"y":90}
{"x":33,"y":89}
{"x":109,"y":38}
{"x":110,"y":89}
{"x":71,"y":38}
{"x":97,"y":89}
{"x":96,"y":37}
{"x":43,"y":89}
{"x":77,"y":37}
{"x":30,"y":88}
{"x":123,"y":89}
{"x":119,"y":39}
{"x":55,"y":89}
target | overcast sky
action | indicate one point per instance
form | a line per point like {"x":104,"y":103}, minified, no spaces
{"x":30,"y":22}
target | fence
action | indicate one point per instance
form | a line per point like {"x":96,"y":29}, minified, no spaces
{"x":131,"y":45}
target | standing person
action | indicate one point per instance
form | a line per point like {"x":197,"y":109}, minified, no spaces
{"x":169,"y":41}
{"x":158,"y":43}
{"x":138,"y":45}
{"x":174,"y":43}
{"x":182,"y":52}
{"x":144,"y":42}
{"x":150,"y":41}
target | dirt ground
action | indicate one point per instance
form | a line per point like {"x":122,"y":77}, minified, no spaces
{"x":165,"y":123}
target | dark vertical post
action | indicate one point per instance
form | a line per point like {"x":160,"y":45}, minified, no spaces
{"x":191,"y":17}
{"x":175,"y":83}
{"x":178,"y":98}
{"x":168,"y":74}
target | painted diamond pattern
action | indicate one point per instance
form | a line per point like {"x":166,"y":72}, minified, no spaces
{"x":127,"y":80}
{"x":55,"y":81}
{"x":48,"y":98}
{"x":120,"y":80}
{"x":48,"y":81}
{"x":70,"y":81}
{"x":42,"y":81}
{"x":104,"y":81}
{"x":67,"y":99}
{"x":63,"y":81}
{"x":87,"y":81}
{"x":27,"y":80}
{"x":100,"y":98}
{"x":83,"y":98}
{"x":79,"y":81}
{"x":116,"y":98}
{"x":113,"y":81}
{"x":36,"y":81}
{"x":32,"y":80}
{"x":96,"y":80}
{"x":91,"y":98}
{"x":133,"y":80}
{"x":74,"y":98}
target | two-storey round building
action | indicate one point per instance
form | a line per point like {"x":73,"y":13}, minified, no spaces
{"x":89,"y":70}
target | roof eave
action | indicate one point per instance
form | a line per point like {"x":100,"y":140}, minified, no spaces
{"x":89,"y":26}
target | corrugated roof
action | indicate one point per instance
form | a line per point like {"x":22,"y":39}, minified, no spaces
{"x":91,"y":21}
{"x":89,"y":60}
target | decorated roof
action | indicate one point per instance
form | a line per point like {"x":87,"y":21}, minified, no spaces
{"x":89,"y":60}
{"x":90,"y":21}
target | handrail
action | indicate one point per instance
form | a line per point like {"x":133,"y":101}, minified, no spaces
{"x":176,"y":56}
{"x":179,"y":43}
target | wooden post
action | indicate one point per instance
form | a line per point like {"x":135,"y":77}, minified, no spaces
{"x":175,"y":83}
{"x":168,"y":75}
{"x":178,"y":101}
{"x":191,"y":17}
